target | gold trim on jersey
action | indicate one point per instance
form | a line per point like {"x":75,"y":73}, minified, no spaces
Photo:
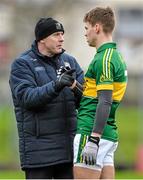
{"x":105,"y":86}
{"x":117,"y":87}
{"x":90,"y":88}
{"x":119,"y":90}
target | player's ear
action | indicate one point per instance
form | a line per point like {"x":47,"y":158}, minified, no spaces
{"x":97,"y":27}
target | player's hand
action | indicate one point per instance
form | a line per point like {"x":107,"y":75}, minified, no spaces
{"x":90,"y":150}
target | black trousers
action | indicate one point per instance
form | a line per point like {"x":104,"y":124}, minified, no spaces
{"x":59,"y":171}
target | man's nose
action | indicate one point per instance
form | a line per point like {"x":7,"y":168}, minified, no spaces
{"x":61,"y":38}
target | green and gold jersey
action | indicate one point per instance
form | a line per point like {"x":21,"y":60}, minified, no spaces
{"x":107,"y":71}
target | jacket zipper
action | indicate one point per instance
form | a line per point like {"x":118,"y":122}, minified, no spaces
{"x":67,"y":126}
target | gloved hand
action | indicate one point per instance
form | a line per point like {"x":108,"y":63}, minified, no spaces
{"x":66,"y":79}
{"x":90,"y":150}
{"x":78,"y":89}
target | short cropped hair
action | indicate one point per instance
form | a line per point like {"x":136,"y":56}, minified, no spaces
{"x":105,"y":16}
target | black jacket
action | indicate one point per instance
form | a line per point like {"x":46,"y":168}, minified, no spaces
{"x":46,"y":120}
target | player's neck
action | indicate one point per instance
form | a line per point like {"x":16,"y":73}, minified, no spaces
{"x":103,"y":39}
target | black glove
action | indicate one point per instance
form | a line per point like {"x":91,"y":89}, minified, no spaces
{"x":66,"y":79}
{"x":78,"y":89}
{"x":90,"y":150}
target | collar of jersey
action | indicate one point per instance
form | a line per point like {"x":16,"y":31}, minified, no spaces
{"x":106,"y":46}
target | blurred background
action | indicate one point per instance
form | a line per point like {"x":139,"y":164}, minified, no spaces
{"x":17,"y":23}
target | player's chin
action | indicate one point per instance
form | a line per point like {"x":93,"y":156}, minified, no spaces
{"x":91,"y":44}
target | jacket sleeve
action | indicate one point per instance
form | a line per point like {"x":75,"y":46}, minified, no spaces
{"x":24,"y":87}
{"x":80,"y":80}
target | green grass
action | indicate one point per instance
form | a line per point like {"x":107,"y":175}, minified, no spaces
{"x":128,"y":122}
{"x":8,"y":136}
{"x":128,"y":175}
{"x":12,"y":175}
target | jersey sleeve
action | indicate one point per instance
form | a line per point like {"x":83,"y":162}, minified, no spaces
{"x":104,"y":71}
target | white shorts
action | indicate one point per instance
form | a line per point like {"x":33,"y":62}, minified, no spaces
{"x":105,"y":155}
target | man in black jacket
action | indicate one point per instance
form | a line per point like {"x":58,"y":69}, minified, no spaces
{"x":45,"y":85}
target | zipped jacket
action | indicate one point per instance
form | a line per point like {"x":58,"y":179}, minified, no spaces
{"x":46,"y":119}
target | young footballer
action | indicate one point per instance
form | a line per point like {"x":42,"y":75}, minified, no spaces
{"x":105,"y":84}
